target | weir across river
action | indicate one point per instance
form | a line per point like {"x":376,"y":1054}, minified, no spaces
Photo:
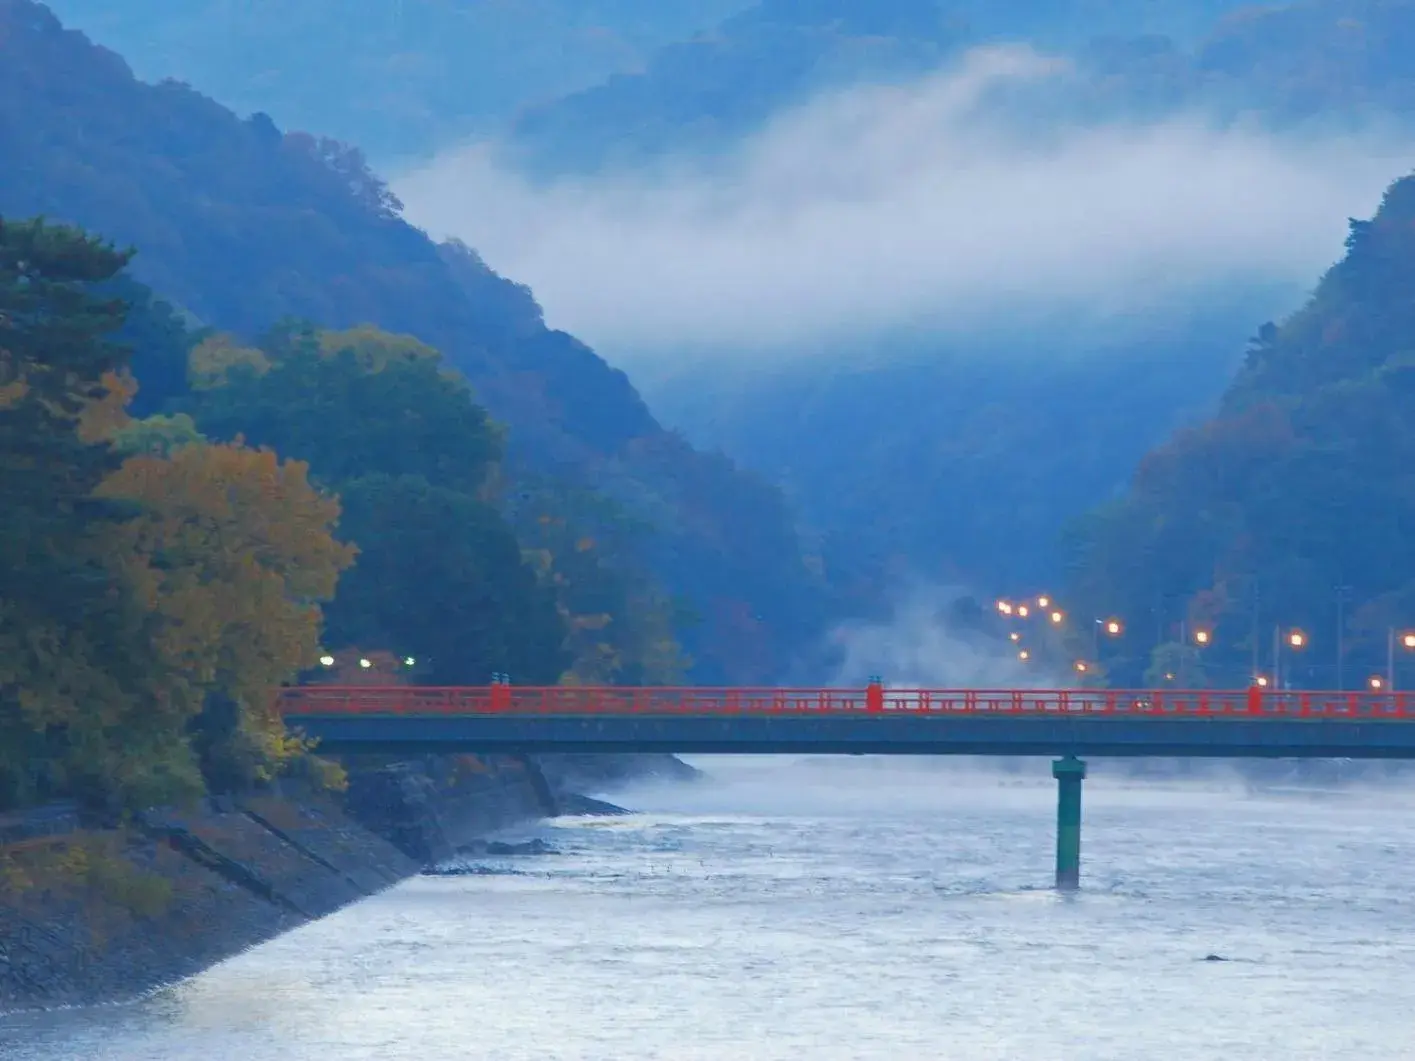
{"x":1064,"y":723}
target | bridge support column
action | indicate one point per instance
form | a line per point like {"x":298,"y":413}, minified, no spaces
{"x":1069,"y":773}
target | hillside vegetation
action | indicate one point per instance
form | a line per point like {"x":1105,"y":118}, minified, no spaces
{"x":1291,"y":508}
{"x":241,"y":227}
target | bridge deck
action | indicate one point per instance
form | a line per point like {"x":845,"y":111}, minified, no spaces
{"x":1207,"y":723}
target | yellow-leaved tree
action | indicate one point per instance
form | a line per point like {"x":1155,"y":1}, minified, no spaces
{"x":232,"y":553}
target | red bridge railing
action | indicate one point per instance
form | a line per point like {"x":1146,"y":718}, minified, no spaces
{"x":332,"y":700}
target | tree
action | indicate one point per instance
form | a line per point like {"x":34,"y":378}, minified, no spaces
{"x":232,"y":554}
{"x":76,"y":664}
{"x":620,"y":624}
{"x":352,"y":404}
{"x":440,"y":577}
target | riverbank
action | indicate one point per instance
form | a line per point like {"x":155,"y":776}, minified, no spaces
{"x":105,"y":915}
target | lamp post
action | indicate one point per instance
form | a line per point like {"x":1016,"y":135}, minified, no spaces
{"x":1342,"y":592}
{"x":1112,"y":627}
{"x":1407,"y":641}
{"x":1297,"y":639}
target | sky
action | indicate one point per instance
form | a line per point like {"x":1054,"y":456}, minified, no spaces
{"x":898,"y":207}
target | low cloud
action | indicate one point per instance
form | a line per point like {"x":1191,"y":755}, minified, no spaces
{"x":915,"y":206}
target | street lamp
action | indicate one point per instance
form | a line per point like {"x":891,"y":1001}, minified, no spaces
{"x":1201,"y":637}
{"x":1004,"y":607}
{"x":1043,"y":602}
{"x":1056,"y":617}
{"x":409,"y":661}
{"x":1023,"y":611}
{"x":1112,"y":627}
{"x":326,"y":660}
{"x":1024,"y":655}
{"x":1015,"y":636}
{"x":1296,"y":638}
{"x":1261,"y":681}
{"x":1080,"y":666}
{"x":365,"y":664}
{"x":1407,"y":641}
{"x":1375,"y":683}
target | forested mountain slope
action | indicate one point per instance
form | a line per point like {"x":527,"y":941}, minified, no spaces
{"x":1291,"y":508}
{"x":244,"y":226}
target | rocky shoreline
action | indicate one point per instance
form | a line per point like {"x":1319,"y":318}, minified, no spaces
{"x":108,"y":915}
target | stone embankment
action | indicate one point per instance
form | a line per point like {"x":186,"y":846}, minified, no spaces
{"x":98,"y":915}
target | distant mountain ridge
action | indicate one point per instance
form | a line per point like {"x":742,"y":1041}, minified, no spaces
{"x":398,"y":77}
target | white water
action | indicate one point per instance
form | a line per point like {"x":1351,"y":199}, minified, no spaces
{"x":842,"y":909}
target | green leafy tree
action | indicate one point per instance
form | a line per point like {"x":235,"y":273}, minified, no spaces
{"x":76,"y":664}
{"x":440,"y":577}
{"x":352,"y":404}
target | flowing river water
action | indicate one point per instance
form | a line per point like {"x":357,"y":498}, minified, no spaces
{"x":798,"y":909}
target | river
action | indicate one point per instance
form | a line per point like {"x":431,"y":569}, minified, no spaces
{"x":842,"y":909}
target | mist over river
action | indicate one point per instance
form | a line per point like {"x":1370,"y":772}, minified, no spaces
{"x":835,"y":909}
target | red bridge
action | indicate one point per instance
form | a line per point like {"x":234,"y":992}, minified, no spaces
{"x":875,"y":720}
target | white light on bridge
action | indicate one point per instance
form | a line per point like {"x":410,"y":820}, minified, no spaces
{"x":365,"y":664}
{"x":1376,"y":683}
{"x":327,"y":661}
{"x":409,"y":661}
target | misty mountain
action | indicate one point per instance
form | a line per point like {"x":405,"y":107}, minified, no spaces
{"x":1327,"y":61}
{"x":1290,"y":507}
{"x":701,"y":94}
{"x":243,"y":227}
{"x":398,"y":77}
{"x":917,"y":449}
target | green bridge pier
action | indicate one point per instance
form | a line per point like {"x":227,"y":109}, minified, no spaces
{"x":1069,"y":773}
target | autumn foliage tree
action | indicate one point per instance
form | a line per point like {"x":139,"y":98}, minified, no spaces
{"x":231,"y":556}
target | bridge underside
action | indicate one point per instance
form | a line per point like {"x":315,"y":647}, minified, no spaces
{"x":1229,"y":738}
